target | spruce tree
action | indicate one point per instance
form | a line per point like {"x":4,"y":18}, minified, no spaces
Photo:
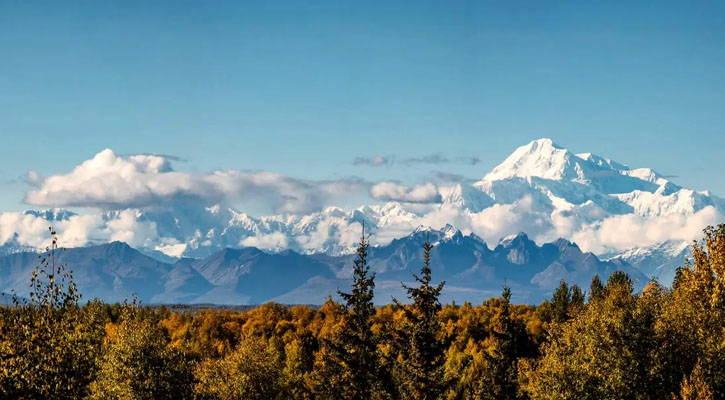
{"x":421,"y":368}
{"x":619,"y":278}
{"x":596,"y":289}
{"x":577,"y":296}
{"x":679,"y":275}
{"x":560,"y":301}
{"x":506,"y":345}
{"x":349,"y":365}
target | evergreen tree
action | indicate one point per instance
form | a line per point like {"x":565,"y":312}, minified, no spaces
{"x":577,"y":296}
{"x":560,"y":302}
{"x":695,"y":386}
{"x":596,"y":289}
{"x":495,"y":378}
{"x":299,"y":364}
{"x":350,"y":362}
{"x":505,"y":352}
{"x":679,"y":274}
{"x":619,"y":278}
{"x":422,"y":353}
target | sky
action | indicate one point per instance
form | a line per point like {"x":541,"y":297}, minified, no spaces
{"x":305,"y":89}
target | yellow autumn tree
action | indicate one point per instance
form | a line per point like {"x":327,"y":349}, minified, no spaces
{"x":254,"y":371}
{"x":48,"y":344}
{"x":603,"y":353}
{"x":692,"y":326}
{"x":694,"y":387}
{"x":138,"y":363}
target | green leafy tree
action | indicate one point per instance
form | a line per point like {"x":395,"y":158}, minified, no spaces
{"x":421,"y":360}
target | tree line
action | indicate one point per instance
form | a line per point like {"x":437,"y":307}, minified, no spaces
{"x":607,"y":342}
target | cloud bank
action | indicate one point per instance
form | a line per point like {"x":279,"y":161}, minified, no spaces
{"x":110,"y":181}
{"x":122,"y":189}
{"x":325,"y":229}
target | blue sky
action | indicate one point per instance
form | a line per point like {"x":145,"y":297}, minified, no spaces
{"x":303,"y":89}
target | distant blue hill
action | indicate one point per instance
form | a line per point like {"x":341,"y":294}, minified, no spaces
{"x":472,"y":271}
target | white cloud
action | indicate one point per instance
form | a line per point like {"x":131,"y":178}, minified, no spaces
{"x":272,"y":241}
{"x":77,"y":230}
{"x":433,"y":159}
{"x":626,"y":231}
{"x":329,"y":232}
{"x":28,"y":230}
{"x":391,"y":191}
{"x":129,"y":184}
{"x":126,"y":227}
{"x":501,"y":220}
{"x":110,"y":181}
{"x":609,"y":234}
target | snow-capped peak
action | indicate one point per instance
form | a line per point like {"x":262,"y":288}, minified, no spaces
{"x":540,"y":158}
{"x":543,"y":158}
{"x":507,"y":240}
{"x":436,"y":236}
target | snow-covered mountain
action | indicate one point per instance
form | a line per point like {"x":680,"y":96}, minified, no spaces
{"x":564,"y":181}
{"x":547,"y":191}
{"x":658,"y":261}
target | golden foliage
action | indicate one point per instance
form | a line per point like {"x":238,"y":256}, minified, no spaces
{"x":656,"y":344}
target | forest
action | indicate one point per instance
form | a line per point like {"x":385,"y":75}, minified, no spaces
{"x":600,"y":342}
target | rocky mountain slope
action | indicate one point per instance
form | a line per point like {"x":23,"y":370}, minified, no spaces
{"x":472,"y":270}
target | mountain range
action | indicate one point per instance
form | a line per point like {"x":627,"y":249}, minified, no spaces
{"x":472,"y":271}
{"x":633,"y":218}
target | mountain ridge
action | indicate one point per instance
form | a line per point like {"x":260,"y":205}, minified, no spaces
{"x":541,"y":188}
{"x":115,"y":271}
